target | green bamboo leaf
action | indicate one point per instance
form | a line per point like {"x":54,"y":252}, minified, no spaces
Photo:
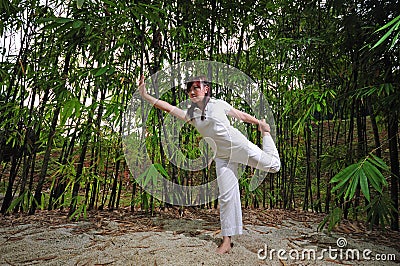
{"x":79,"y":3}
{"x":77,"y":107}
{"x":62,"y":20}
{"x":378,"y":162}
{"x":77,"y":213}
{"x":379,"y":176}
{"x":151,"y":174}
{"x":322,"y":224}
{"x":341,"y":184}
{"x":42,"y":201}
{"x":371,"y":176}
{"x":390,"y":23}
{"x":364,"y":185}
{"x":77,"y":24}
{"x":50,"y":26}
{"x":154,"y":178}
{"x":142,"y":177}
{"x":110,"y":3}
{"x":347,"y":172}
{"x":111,"y":70}
{"x":14,"y":203}
{"x":381,"y":210}
{"x":161,"y":169}
{"x":318,"y":107}
{"x":351,"y":190}
{"x":67,"y":111}
{"x":341,"y":190}
{"x":335,"y":218}
{"x":381,"y":40}
{"x":101,"y":71}
{"x":42,"y":20}
{"x":121,"y":157}
{"x":65,"y":29}
{"x":148,"y":176}
{"x":27,"y":200}
{"x":375,"y":182}
{"x":395,"y":38}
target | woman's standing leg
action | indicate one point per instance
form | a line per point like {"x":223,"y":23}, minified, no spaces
{"x":229,"y":202}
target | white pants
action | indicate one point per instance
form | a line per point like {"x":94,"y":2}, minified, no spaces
{"x":227,"y":177}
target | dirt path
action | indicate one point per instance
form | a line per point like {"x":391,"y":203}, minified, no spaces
{"x":121,"y":238}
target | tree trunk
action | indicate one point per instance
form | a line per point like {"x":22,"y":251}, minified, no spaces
{"x":85,"y":142}
{"x":393,"y":128}
{"x":308,"y":189}
{"x":46,"y":160}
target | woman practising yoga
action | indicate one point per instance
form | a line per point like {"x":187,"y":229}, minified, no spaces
{"x":209,"y":117}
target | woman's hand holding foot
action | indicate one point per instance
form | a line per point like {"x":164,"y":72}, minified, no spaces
{"x":264,"y":127}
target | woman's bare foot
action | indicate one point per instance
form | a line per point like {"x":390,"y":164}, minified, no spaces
{"x":264,"y":127}
{"x":226,"y":245}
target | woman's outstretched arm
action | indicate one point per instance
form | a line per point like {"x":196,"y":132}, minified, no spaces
{"x":160,"y":104}
{"x":245,"y":117}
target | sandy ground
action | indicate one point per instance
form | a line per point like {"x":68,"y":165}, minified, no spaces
{"x":50,"y":239}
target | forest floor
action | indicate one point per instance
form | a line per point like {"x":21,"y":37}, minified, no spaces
{"x":169,"y":238}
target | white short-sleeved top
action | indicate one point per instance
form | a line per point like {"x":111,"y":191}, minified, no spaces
{"x":217,"y":130}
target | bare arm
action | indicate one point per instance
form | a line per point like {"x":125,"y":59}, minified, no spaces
{"x":245,"y":117}
{"x":242,"y":116}
{"x":160,"y":104}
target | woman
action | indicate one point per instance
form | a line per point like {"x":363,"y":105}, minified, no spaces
{"x":209,"y":117}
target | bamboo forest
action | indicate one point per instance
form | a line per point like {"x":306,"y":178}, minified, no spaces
{"x":329,"y":69}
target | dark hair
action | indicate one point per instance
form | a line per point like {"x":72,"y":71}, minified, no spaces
{"x":203,"y":80}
